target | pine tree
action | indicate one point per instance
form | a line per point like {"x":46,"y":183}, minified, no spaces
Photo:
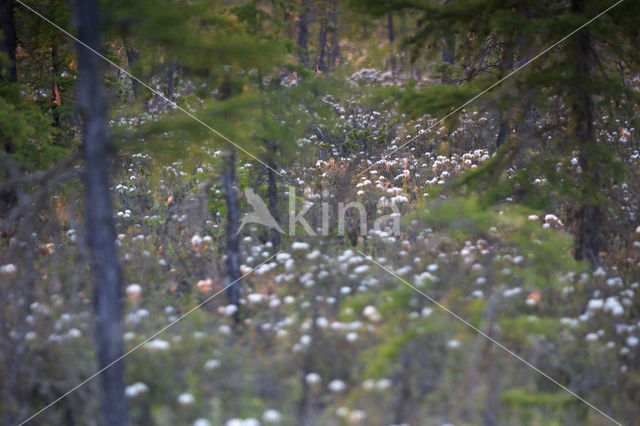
{"x":588,"y":65}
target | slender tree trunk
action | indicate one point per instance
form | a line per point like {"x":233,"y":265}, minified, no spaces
{"x":449,"y":45}
{"x":506,"y":63}
{"x":589,"y":220}
{"x":9,"y":44}
{"x":303,"y":34}
{"x":322,"y":41}
{"x":105,"y":265}
{"x":232,"y":264}
{"x":392,"y":37}
{"x":8,"y":197}
{"x":503,"y":129}
{"x":334,"y":57}
{"x":449,"y":48}
{"x":273,"y":203}
{"x":56,"y":98}
{"x":132,"y":58}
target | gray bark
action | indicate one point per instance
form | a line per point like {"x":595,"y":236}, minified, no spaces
{"x":9,"y":44}
{"x":232,"y":264}
{"x":303,"y":34}
{"x":590,"y":214}
{"x":105,"y":266}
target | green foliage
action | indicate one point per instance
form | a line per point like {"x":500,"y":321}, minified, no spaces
{"x":24,"y":132}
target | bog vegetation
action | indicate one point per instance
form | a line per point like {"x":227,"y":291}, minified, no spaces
{"x":454,"y":185}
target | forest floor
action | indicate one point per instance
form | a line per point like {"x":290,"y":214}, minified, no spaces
{"x":326,"y":334}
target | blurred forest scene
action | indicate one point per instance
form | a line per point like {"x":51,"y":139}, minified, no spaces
{"x":319,"y":212}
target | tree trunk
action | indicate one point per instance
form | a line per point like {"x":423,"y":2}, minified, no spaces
{"x":506,"y":64}
{"x":303,"y":34}
{"x":589,"y":218}
{"x":449,"y":49}
{"x":322,"y":41}
{"x":132,"y":58}
{"x":8,"y":197}
{"x":232,"y":264}
{"x":8,"y":29}
{"x":273,"y":204}
{"x":392,"y":37}
{"x":105,"y":266}
{"x":503,"y":129}
{"x":56,"y":98}
{"x":334,"y":57}
{"x":449,"y":45}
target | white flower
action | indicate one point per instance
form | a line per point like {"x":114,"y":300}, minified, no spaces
{"x":595,"y":304}
{"x":342,"y":412}
{"x":632,"y":341}
{"x":357,"y":416}
{"x":591,"y":337}
{"x":371,"y":313}
{"x":134,"y":290}
{"x":254,"y":298}
{"x":453,"y":344}
{"x":8,"y":269}
{"x":383,"y":384}
{"x":305,"y":340}
{"x":299,"y":246}
{"x":212,"y":364}
{"x":135,"y":389}
{"x":313,"y":255}
{"x":196,"y":240}
{"x":157,"y":345}
{"x":230,"y":310}
{"x":612,"y":305}
{"x":322,"y":322}
{"x":337,"y":386}
{"x":74,"y":333}
{"x":312,"y":378}
{"x":202,"y":422}
{"x":368,"y":384}
{"x":186,"y":399}
{"x":271,"y":416}
{"x":361,"y":269}
{"x":352,"y":337}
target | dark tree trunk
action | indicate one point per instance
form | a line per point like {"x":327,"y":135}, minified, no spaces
{"x":8,"y":29}
{"x":132,"y":58}
{"x":334,"y":57}
{"x":322,"y":42}
{"x":506,"y":63}
{"x":232,"y":264}
{"x":303,"y":34}
{"x":273,"y":204}
{"x":8,"y":197}
{"x":105,"y":266}
{"x":503,"y":129}
{"x":392,"y":37}
{"x":449,"y":48}
{"x":56,"y":98}
{"x":589,"y":218}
